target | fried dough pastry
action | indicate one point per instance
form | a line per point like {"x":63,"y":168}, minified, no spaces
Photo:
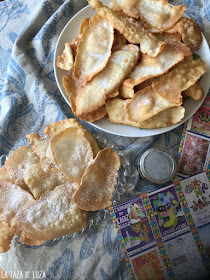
{"x":40,"y":177}
{"x":94,"y":48}
{"x":150,"y":67}
{"x":74,"y":45}
{"x":167,"y":37}
{"x":12,"y":199}
{"x":189,"y":31}
{"x":72,"y":89}
{"x":114,"y":94}
{"x":99,"y":181}
{"x":147,"y":103}
{"x":25,"y":240}
{"x":92,"y":96}
{"x":116,"y":112}
{"x":41,"y":147}
{"x":17,"y":163}
{"x":146,"y":83}
{"x":126,"y":91}
{"x":133,"y":31}
{"x":95,"y":4}
{"x":165,"y":118}
{"x":5,"y":237}
{"x":56,"y":127}
{"x":83,"y":24}
{"x":195,"y":91}
{"x":75,"y":42}
{"x":4,"y":175}
{"x":50,"y":211}
{"x":53,"y":215}
{"x":157,"y":13}
{"x":72,"y":152}
{"x":66,"y":60}
{"x":94,"y":115}
{"x":171,"y":85}
{"x":119,"y":41}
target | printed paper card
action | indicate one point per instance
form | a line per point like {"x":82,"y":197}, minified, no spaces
{"x":204,"y":236}
{"x":148,"y":266}
{"x":200,"y":121}
{"x":162,"y":232}
{"x":197,"y":193}
{"x":168,"y":212}
{"x":194,"y":150}
{"x":185,"y":258}
{"x":134,"y":226}
{"x":194,"y":155}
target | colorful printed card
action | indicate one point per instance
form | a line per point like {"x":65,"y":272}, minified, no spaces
{"x":194,"y":155}
{"x":134,"y":226}
{"x":200,"y":121}
{"x":162,"y":232}
{"x":194,"y":150}
{"x":168,"y":212}
{"x":197,"y":193}
{"x":149,"y":266}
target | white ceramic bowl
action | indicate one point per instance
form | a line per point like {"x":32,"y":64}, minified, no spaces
{"x":71,"y":30}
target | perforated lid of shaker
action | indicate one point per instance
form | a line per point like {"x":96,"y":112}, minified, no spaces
{"x":157,"y":166}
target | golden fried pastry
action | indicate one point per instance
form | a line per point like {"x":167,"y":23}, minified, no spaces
{"x":51,"y":211}
{"x":72,"y":89}
{"x":146,"y":83}
{"x":157,"y":13}
{"x":17,"y":163}
{"x":189,"y":31}
{"x":165,"y":118}
{"x":41,"y":147}
{"x":74,"y":45}
{"x":167,"y":37}
{"x":53,"y":215}
{"x":133,"y":31}
{"x":5,"y":237}
{"x":113,"y":94}
{"x":150,"y":67}
{"x":126,"y":91}
{"x":66,"y":60}
{"x":72,"y":152}
{"x":40,"y":177}
{"x":12,"y":199}
{"x":147,"y":103}
{"x":94,"y":48}
{"x":195,"y":91}
{"x":4,"y":174}
{"x":93,"y":95}
{"x":99,"y":181}
{"x":25,"y":240}
{"x":56,"y":127}
{"x":116,"y":109}
{"x":119,"y":41}
{"x":83,"y":24}
{"x":181,"y":78}
{"x":95,"y":4}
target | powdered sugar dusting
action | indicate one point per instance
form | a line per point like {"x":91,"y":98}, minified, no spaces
{"x":54,"y":214}
{"x":12,"y":199}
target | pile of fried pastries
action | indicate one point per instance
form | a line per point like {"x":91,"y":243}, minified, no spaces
{"x":133,"y":63}
{"x":48,"y":187}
